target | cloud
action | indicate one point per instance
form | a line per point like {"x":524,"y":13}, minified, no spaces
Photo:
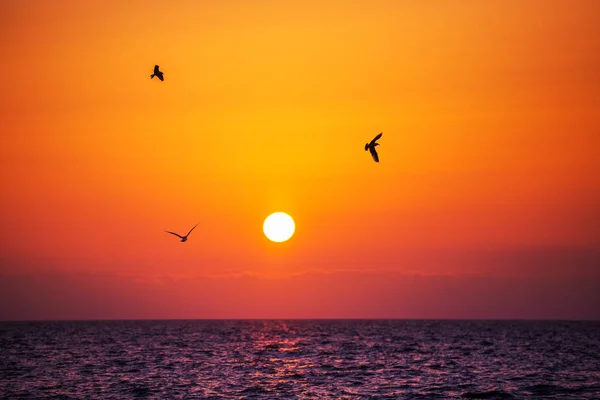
{"x":312,"y":294}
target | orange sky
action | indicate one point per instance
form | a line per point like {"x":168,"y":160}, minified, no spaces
{"x":486,"y":202}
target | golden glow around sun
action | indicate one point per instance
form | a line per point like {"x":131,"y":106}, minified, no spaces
{"x":279,"y":227}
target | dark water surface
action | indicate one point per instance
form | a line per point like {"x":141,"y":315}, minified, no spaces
{"x":300,"y":359}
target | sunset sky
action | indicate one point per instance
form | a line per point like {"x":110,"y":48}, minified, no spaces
{"x":486,"y":202}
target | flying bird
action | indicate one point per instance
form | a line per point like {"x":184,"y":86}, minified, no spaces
{"x":157,"y":73}
{"x":183,"y":238}
{"x":371,"y":147}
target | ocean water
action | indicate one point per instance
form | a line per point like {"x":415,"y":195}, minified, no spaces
{"x":303,"y":359}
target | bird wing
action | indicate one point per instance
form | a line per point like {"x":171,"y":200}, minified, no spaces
{"x":176,"y":234}
{"x":160,"y":76}
{"x":366,"y":146}
{"x":376,"y":138}
{"x":156,"y":71}
{"x":192,"y":229}
{"x":374,"y":154}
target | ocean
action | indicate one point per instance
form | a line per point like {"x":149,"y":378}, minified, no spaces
{"x":300,"y":359}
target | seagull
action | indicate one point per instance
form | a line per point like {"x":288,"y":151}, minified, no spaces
{"x":371,"y":147}
{"x":183,"y":238}
{"x":157,"y":73}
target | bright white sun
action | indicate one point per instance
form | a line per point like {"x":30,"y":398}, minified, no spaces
{"x":279,"y":227}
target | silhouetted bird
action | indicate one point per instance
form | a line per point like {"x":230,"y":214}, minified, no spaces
{"x":157,"y":73}
{"x":371,"y":147}
{"x":183,"y":238}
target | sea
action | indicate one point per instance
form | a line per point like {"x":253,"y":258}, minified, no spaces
{"x":300,"y":359}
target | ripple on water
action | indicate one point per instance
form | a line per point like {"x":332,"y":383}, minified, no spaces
{"x":302,"y":359}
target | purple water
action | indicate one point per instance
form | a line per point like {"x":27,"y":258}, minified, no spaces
{"x":380,"y":359}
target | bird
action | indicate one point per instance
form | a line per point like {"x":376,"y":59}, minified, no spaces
{"x":157,"y":73}
{"x":371,"y":147}
{"x":183,"y":238}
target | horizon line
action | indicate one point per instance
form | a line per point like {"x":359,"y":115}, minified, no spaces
{"x":304,"y":319}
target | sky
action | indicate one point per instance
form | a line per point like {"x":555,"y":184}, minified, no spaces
{"x":485,"y":203}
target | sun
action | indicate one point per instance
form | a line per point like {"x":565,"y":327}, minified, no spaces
{"x":279,"y":227}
